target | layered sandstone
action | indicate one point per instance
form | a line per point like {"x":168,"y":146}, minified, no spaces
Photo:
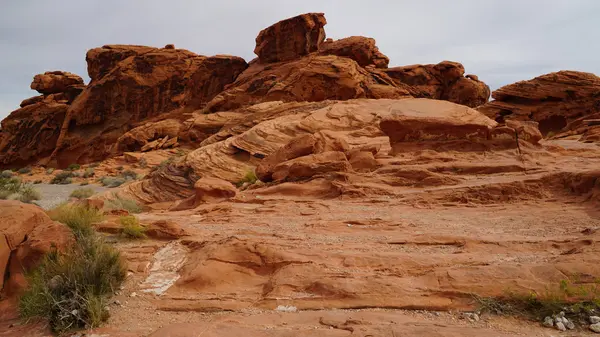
{"x":445,"y":81}
{"x":559,"y":101}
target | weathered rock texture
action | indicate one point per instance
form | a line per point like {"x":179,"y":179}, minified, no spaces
{"x":445,"y":81}
{"x":286,"y":146}
{"x":54,"y":82}
{"x":312,"y":78}
{"x":291,"y":38}
{"x":26,"y":235}
{"x":361,"y":49}
{"x":559,"y":101}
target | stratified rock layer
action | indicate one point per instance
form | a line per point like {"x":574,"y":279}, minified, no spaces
{"x":558,"y":101}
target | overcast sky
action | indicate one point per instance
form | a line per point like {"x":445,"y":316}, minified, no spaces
{"x":501,"y":41}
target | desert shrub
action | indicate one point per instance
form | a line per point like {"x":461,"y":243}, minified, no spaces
{"x":74,"y":167}
{"x":82,"y":193}
{"x":143,"y":163}
{"x":249,"y":178}
{"x":37,"y":182}
{"x":6,"y":174}
{"x":112,"y":181}
{"x":576,"y":300}
{"x":10,"y":184}
{"x":62,"y":178}
{"x":84,"y":183}
{"x":132,"y":228}
{"x":88,"y":173}
{"x":78,"y":217}
{"x":50,"y":171}
{"x":14,"y":189}
{"x":129,"y":175}
{"x":72,"y":288}
{"x":76,"y":175}
{"x":118,"y":203}
{"x":28,"y":193}
{"x":24,"y":170}
{"x":5,"y":194}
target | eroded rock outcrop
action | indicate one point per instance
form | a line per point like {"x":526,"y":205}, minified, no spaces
{"x":312,"y":78}
{"x":361,"y":49}
{"x":142,"y":85}
{"x":31,"y":132}
{"x":54,"y":82}
{"x":26,"y":235}
{"x":139,"y":97}
{"x":444,"y":81}
{"x":291,"y":38}
{"x":558,"y":101}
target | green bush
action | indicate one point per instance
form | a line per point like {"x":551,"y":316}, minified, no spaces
{"x":50,"y":171}
{"x":28,"y":193}
{"x":129,"y":175}
{"x":72,"y":289}
{"x":78,"y":217}
{"x":249,"y":178}
{"x":576,"y":300}
{"x":74,"y":167}
{"x":132,"y":228}
{"x":88,"y":173}
{"x":4,"y":194}
{"x":63,"y":178}
{"x":10,"y":184}
{"x":118,"y":203}
{"x":112,"y":181}
{"x":6,"y":174}
{"x":24,"y":170}
{"x":83,"y":193}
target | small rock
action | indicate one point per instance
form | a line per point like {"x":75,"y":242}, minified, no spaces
{"x":117,"y":302}
{"x":133,"y":294}
{"x":548,"y":322}
{"x":106,"y":308}
{"x":476,"y":317}
{"x":560,"y":326}
{"x":285,"y":308}
{"x":594,"y":319}
{"x":570,"y":325}
{"x":74,"y":312}
{"x":595,"y":327}
{"x":561,"y":314}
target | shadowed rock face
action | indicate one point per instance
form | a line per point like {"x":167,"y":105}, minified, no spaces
{"x":559,"y":102}
{"x":129,"y":84}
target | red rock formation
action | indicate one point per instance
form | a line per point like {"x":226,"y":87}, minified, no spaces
{"x":361,"y":49}
{"x":134,"y":87}
{"x":557,"y":101}
{"x":26,"y":235}
{"x":145,"y":82}
{"x":312,"y":78}
{"x":291,"y":38}
{"x":31,"y":133}
{"x":54,"y":82}
{"x":429,"y":121}
{"x":443,"y":81}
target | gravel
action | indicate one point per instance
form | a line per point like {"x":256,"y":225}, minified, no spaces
{"x":54,"y":195}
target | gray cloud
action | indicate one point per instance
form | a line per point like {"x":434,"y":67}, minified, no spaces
{"x":502,"y":41}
